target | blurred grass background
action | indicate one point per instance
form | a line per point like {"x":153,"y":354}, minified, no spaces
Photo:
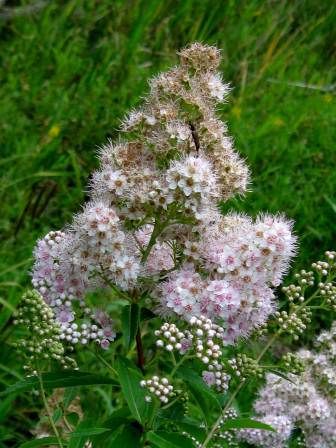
{"x":70,"y":70}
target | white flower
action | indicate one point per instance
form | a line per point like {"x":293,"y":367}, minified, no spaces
{"x":216,"y":87}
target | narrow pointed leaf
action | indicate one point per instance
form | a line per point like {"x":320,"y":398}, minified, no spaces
{"x":163,"y":439}
{"x":53,"y":380}
{"x":245,"y":423}
{"x":203,"y":395}
{"x":84,"y":432}
{"x":134,"y":394}
{"x":281,"y":374}
{"x":130,"y":323}
{"x":42,"y":442}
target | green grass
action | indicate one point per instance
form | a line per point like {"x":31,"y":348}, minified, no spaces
{"x":70,"y":72}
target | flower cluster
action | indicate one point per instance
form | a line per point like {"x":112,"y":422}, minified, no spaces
{"x":243,"y":259}
{"x":152,"y":224}
{"x":307,"y":401}
{"x":159,"y":387}
{"x":43,"y":341}
{"x":68,"y":264}
{"x":194,"y":179}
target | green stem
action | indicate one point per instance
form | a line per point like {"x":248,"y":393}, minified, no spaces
{"x":179,"y":363}
{"x":47,"y":408}
{"x":218,"y":421}
{"x":268,"y":345}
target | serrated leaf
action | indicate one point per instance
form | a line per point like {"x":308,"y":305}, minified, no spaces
{"x":163,"y":439}
{"x":53,"y":380}
{"x":130,"y":323}
{"x":43,"y":441}
{"x":134,"y":394}
{"x":240,"y":423}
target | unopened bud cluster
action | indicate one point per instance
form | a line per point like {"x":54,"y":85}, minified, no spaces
{"x":171,"y":338}
{"x":324,"y":267}
{"x":207,"y":340}
{"x":292,"y":363}
{"x":328,"y":291}
{"x":243,"y":367}
{"x":305,"y":278}
{"x":87,"y":332}
{"x":321,"y":267}
{"x":295,"y":292}
{"x":206,"y":336}
{"x":158,"y":387}
{"x":42,"y":342}
{"x":294,"y":322}
{"x":203,"y":340}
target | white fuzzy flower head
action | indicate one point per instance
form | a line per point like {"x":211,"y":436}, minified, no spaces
{"x":152,"y":224}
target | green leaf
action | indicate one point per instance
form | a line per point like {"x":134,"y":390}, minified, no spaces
{"x":69,"y":395}
{"x":52,"y":380}
{"x":6,"y":406}
{"x":79,"y":441}
{"x":126,"y":436}
{"x":84,"y":432}
{"x":130,"y":323}
{"x":134,"y":394}
{"x":281,"y":374}
{"x":192,"y":427}
{"x":73,"y":418}
{"x":203,"y":395}
{"x":174,"y":412}
{"x":44,"y":442}
{"x":163,"y":439}
{"x":57,"y":415}
{"x":245,"y":423}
